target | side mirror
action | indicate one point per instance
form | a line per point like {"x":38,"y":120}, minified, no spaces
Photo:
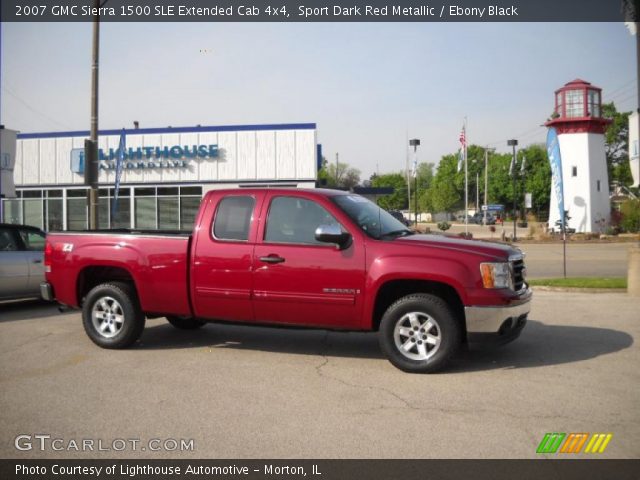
{"x":333,"y":234}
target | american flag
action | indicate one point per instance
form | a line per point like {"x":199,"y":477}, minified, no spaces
{"x":461,"y":152}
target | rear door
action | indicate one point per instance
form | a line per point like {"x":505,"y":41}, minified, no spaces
{"x":14,"y":268}
{"x":222,"y":257}
{"x":298,"y":280}
{"x":33,"y":243}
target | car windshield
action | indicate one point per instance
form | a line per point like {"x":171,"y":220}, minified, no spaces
{"x":372,"y":220}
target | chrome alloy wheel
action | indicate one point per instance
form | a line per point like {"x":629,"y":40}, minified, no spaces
{"x":417,"y":336}
{"x":107,"y":317}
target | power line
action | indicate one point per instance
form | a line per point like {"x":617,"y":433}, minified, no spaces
{"x":34,"y":110}
{"x":626,"y":91}
{"x":623,"y":86}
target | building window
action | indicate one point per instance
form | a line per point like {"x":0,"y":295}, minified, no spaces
{"x":574,"y":171}
{"x":12,"y":209}
{"x":146,"y":208}
{"x":190,"y":198}
{"x":168,"y":208}
{"x":598,"y":185}
{"x":32,"y":208}
{"x":77,"y":210}
{"x":53,"y":211}
{"x":121,"y":217}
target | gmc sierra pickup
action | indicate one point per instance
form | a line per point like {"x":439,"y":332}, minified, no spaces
{"x":313,"y":258}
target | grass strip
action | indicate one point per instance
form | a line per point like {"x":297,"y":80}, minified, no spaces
{"x":580,"y":282}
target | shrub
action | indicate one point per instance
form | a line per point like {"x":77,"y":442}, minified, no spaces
{"x":630,"y":211}
{"x":444,"y":226}
{"x":467,"y":235}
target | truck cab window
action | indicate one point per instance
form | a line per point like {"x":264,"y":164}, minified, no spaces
{"x":7,"y":242}
{"x":294,"y":220}
{"x":233,"y":218}
{"x":32,"y":240}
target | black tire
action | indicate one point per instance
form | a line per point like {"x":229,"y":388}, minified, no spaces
{"x":429,"y":347}
{"x":111,"y":315}
{"x":185,"y":323}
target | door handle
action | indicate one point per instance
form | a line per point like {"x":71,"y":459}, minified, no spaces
{"x":37,"y":261}
{"x":272,"y":259}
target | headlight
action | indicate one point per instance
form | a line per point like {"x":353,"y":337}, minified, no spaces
{"x":496,"y":275}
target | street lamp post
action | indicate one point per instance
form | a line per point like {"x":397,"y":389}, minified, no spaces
{"x":513,"y":143}
{"x":415,"y":142}
{"x":486,"y":180}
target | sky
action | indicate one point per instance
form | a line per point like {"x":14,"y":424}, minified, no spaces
{"x":367,"y":86}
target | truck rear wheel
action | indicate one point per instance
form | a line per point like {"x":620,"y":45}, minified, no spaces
{"x":185,"y":323}
{"x":112,"y":316}
{"x":419,"y":333}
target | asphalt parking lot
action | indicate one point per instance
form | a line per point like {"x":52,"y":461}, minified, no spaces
{"x":246,"y":392}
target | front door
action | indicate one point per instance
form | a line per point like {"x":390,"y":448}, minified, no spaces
{"x":298,"y":280}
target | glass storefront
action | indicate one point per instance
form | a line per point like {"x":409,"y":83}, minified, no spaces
{"x":162,"y":207}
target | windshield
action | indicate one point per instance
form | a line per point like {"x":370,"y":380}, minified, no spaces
{"x":372,"y":220}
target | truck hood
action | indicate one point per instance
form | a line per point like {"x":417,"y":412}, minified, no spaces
{"x":495,"y":251}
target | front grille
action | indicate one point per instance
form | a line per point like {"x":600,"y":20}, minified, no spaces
{"x":518,"y":274}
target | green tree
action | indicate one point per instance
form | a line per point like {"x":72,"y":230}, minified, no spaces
{"x":338,"y":176}
{"x":323,"y":175}
{"x":398,"y":199}
{"x":425,"y":179}
{"x":617,"y":144}
{"x":443,"y":194}
{"x":630,"y":211}
{"x":537,"y":177}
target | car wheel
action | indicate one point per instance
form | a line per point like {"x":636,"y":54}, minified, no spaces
{"x":111,"y":315}
{"x":185,"y":323}
{"x":419,"y":333}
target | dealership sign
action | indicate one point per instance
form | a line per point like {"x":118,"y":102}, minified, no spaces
{"x":176,"y":156}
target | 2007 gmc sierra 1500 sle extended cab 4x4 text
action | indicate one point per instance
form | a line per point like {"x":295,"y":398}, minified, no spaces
{"x":311,"y":258}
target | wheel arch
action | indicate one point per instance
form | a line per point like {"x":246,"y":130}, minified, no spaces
{"x":393,"y":290}
{"x":92,"y":276}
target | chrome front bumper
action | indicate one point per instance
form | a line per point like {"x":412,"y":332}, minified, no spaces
{"x":498,"y":320}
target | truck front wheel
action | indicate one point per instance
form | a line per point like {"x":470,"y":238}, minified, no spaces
{"x":419,"y":333}
{"x":111,"y":315}
{"x":185,"y":323}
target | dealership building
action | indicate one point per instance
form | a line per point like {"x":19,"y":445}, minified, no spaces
{"x":165,"y":172}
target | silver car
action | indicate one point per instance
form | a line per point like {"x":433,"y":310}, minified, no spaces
{"x":21,"y":261}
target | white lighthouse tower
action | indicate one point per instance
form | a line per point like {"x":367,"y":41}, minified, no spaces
{"x":578,"y":120}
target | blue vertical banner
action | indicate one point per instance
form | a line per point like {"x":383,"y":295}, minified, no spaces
{"x":553,"y":152}
{"x":119,"y":164}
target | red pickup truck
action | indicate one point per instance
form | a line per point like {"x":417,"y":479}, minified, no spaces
{"x":313,"y":258}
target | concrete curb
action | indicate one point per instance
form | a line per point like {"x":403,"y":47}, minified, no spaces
{"x":544,"y":288}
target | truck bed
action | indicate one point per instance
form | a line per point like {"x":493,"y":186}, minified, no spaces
{"x":156,"y":260}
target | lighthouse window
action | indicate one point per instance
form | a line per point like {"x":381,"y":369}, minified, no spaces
{"x":574,"y":171}
{"x":575,"y":103}
{"x":594,"y":103}
{"x":559,"y":101}
{"x":598,"y":184}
